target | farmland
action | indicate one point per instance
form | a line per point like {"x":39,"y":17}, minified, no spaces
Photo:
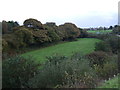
{"x":99,"y":31}
{"x":85,"y":45}
{"x":37,"y":55}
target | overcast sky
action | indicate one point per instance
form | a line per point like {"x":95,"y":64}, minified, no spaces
{"x":83,"y":13}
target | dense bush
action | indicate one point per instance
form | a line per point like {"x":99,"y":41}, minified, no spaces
{"x":109,"y":69}
{"x":21,"y":37}
{"x":33,"y":23}
{"x":4,"y":45}
{"x":7,"y":27}
{"x":34,"y":33}
{"x":41,"y":36}
{"x":97,"y":58}
{"x":24,"y":36}
{"x":17,"y":71}
{"x":69,"y":30}
{"x":52,"y":32}
{"x":116,"y":29}
{"x":53,"y":35}
{"x":111,"y":41}
{"x":114,"y":42}
{"x":102,"y":46}
{"x":60,"y":71}
{"x":13,"y":43}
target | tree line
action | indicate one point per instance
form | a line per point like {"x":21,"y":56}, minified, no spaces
{"x":33,"y":32}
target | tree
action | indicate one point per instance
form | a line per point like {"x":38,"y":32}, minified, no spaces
{"x":11,"y":25}
{"x":69,"y":30}
{"x":33,"y":23}
{"x":111,"y":27}
{"x":51,"y":24}
{"x":116,"y":29}
{"x":41,"y":36}
{"x":53,"y":32}
{"x":24,"y":35}
{"x":7,"y":27}
{"x":4,"y":27}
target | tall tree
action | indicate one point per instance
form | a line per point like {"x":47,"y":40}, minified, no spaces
{"x":33,"y":23}
{"x":4,"y":27}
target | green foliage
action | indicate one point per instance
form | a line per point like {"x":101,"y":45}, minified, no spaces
{"x":21,"y":37}
{"x":97,"y":58}
{"x":114,"y":42}
{"x":4,"y":45}
{"x":116,"y":29}
{"x":17,"y":71}
{"x":100,"y":31}
{"x":53,"y":35}
{"x":12,"y":41}
{"x":24,"y":36}
{"x":4,"y":27}
{"x":33,"y":23}
{"x":69,"y":30}
{"x":61,"y":71}
{"x":83,"y":33}
{"x":11,"y":25}
{"x":7,"y":27}
{"x":41,"y":36}
{"x":102,"y":46}
{"x":109,"y":69}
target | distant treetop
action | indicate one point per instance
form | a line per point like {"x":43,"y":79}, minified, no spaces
{"x":33,"y":23}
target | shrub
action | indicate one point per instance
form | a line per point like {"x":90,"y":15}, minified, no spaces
{"x":5,"y":46}
{"x":16,"y":72}
{"x":12,"y":41}
{"x":41,"y":36}
{"x":116,"y":29}
{"x":102,"y":46}
{"x":97,"y":58}
{"x":24,"y":36}
{"x":33,"y":23}
{"x":53,"y":35}
{"x":69,"y":30}
{"x":59,"y":71}
{"x":114,"y":42}
{"x":21,"y":37}
{"x":109,"y":68}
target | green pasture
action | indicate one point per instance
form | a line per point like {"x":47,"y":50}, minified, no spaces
{"x":84,"y":45}
{"x":99,"y":31}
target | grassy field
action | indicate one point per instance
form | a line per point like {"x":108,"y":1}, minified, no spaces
{"x":113,"y":83}
{"x":100,"y":31}
{"x":84,"y":45}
